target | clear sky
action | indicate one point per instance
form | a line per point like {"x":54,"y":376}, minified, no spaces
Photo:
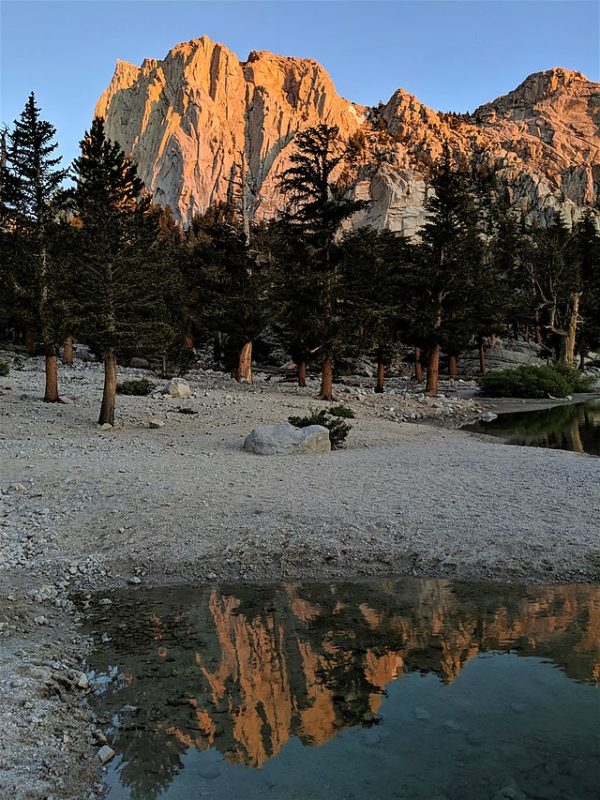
{"x":452,"y":54}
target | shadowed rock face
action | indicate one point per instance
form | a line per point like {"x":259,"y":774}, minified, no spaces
{"x":188,"y":118}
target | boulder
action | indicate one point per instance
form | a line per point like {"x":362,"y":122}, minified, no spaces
{"x":177,"y":387}
{"x":506,"y":355}
{"x":269,"y":440}
{"x":139,"y":363}
{"x":83,"y":352}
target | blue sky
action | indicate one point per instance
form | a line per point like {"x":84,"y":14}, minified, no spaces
{"x":453,"y":55}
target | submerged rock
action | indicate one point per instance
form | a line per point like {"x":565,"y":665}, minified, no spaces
{"x":488,"y":416}
{"x":268,"y":440}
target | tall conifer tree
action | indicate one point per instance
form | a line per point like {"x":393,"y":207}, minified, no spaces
{"x":316,"y":209}
{"x":448,"y":259}
{"x":123,"y":266}
{"x":31,"y":183}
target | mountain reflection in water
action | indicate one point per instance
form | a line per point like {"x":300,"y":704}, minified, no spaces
{"x":244,"y":670}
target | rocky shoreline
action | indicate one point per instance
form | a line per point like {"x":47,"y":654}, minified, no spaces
{"x":84,"y":510}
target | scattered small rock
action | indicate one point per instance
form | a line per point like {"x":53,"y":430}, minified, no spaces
{"x":105,"y":754}
{"x":488,"y":416}
{"x":82,"y":681}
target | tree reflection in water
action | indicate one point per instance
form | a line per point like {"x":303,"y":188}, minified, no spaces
{"x":574,"y":427}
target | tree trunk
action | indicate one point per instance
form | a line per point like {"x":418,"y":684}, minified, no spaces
{"x":243,"y":371}
{"x":452,"y":365}
{"x":433,"y":368}
{"x":572,"y":330}
{"x":302,"y":373}
{"x":380,"y":377}
{"x":51,"y":393}
{"x":29,"y":340}
{"x":582,"y":361}
{"x":327,"y":380}
{"x":107,"y":411}
{"x":538,"y":328}
{"x":418,"y":367}
{"x":482,"y":364}
{"x":68,"y":352}
{"x":218,"y":347}
{"x":188,"y":341}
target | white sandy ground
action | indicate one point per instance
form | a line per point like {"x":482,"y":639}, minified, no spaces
{"x":185,"y":503}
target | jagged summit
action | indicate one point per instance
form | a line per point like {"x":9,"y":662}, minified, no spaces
{"x":188,"y":117}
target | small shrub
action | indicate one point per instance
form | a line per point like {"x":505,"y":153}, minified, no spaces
{"x":578,"y":381}
{"x":338,"y":429}
{"x":534,"y":382}
{"x":141,"y":386}
{"x":341,"y":411}
{"x":4,"y":368}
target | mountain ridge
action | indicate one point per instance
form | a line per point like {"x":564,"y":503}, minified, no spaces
{"x":191,"y":118}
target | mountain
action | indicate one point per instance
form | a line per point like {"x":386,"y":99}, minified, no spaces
{"x":199,"y":118}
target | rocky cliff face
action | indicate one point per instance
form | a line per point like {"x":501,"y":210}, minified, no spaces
{"x":200,"y":118}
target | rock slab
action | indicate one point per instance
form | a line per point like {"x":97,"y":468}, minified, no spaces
{"x":270,"y":440}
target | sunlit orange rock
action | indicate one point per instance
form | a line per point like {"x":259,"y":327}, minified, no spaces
{"x":188,"y":119}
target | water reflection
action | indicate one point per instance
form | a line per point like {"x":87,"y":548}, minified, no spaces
{"x":248,"y":671}
{"x":574,"y":427}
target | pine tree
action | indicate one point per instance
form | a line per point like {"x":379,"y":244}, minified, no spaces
{"x":124,"y":270}
{"x":229,"y":277}
{"x":553,"y":271}
{"x":30,"y":187}
{"x":586,"y":252}
{"x":375,"y":290}
{"x":446,"y":261}
{"x":317,"y":207}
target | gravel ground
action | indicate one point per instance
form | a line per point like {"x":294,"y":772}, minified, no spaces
{"x":83,"y":509}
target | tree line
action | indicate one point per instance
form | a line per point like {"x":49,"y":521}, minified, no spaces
{"x":100,"y":262}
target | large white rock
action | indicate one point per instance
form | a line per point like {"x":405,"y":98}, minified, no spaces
{"x":270,"y":440}
{"x":177,"y":387}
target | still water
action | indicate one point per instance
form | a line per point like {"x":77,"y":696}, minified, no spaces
{"x":574,"y":427}
{"x":408,"y":689}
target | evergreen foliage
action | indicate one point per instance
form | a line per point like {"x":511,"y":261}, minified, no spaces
{"x":341,"y":411}
{"x":535,"y":382}
{"x":33,"y":273}
{"x":136,"y":387}
{"x":123,"y":263}
{"x":447,"y":263}
{"x":317,"y":208}
{"x":338,"y":429}
{"x":229,"y":282}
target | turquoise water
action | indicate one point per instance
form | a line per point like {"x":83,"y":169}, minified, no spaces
{"x":413,"y":689}
{"x":574,"y":427}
